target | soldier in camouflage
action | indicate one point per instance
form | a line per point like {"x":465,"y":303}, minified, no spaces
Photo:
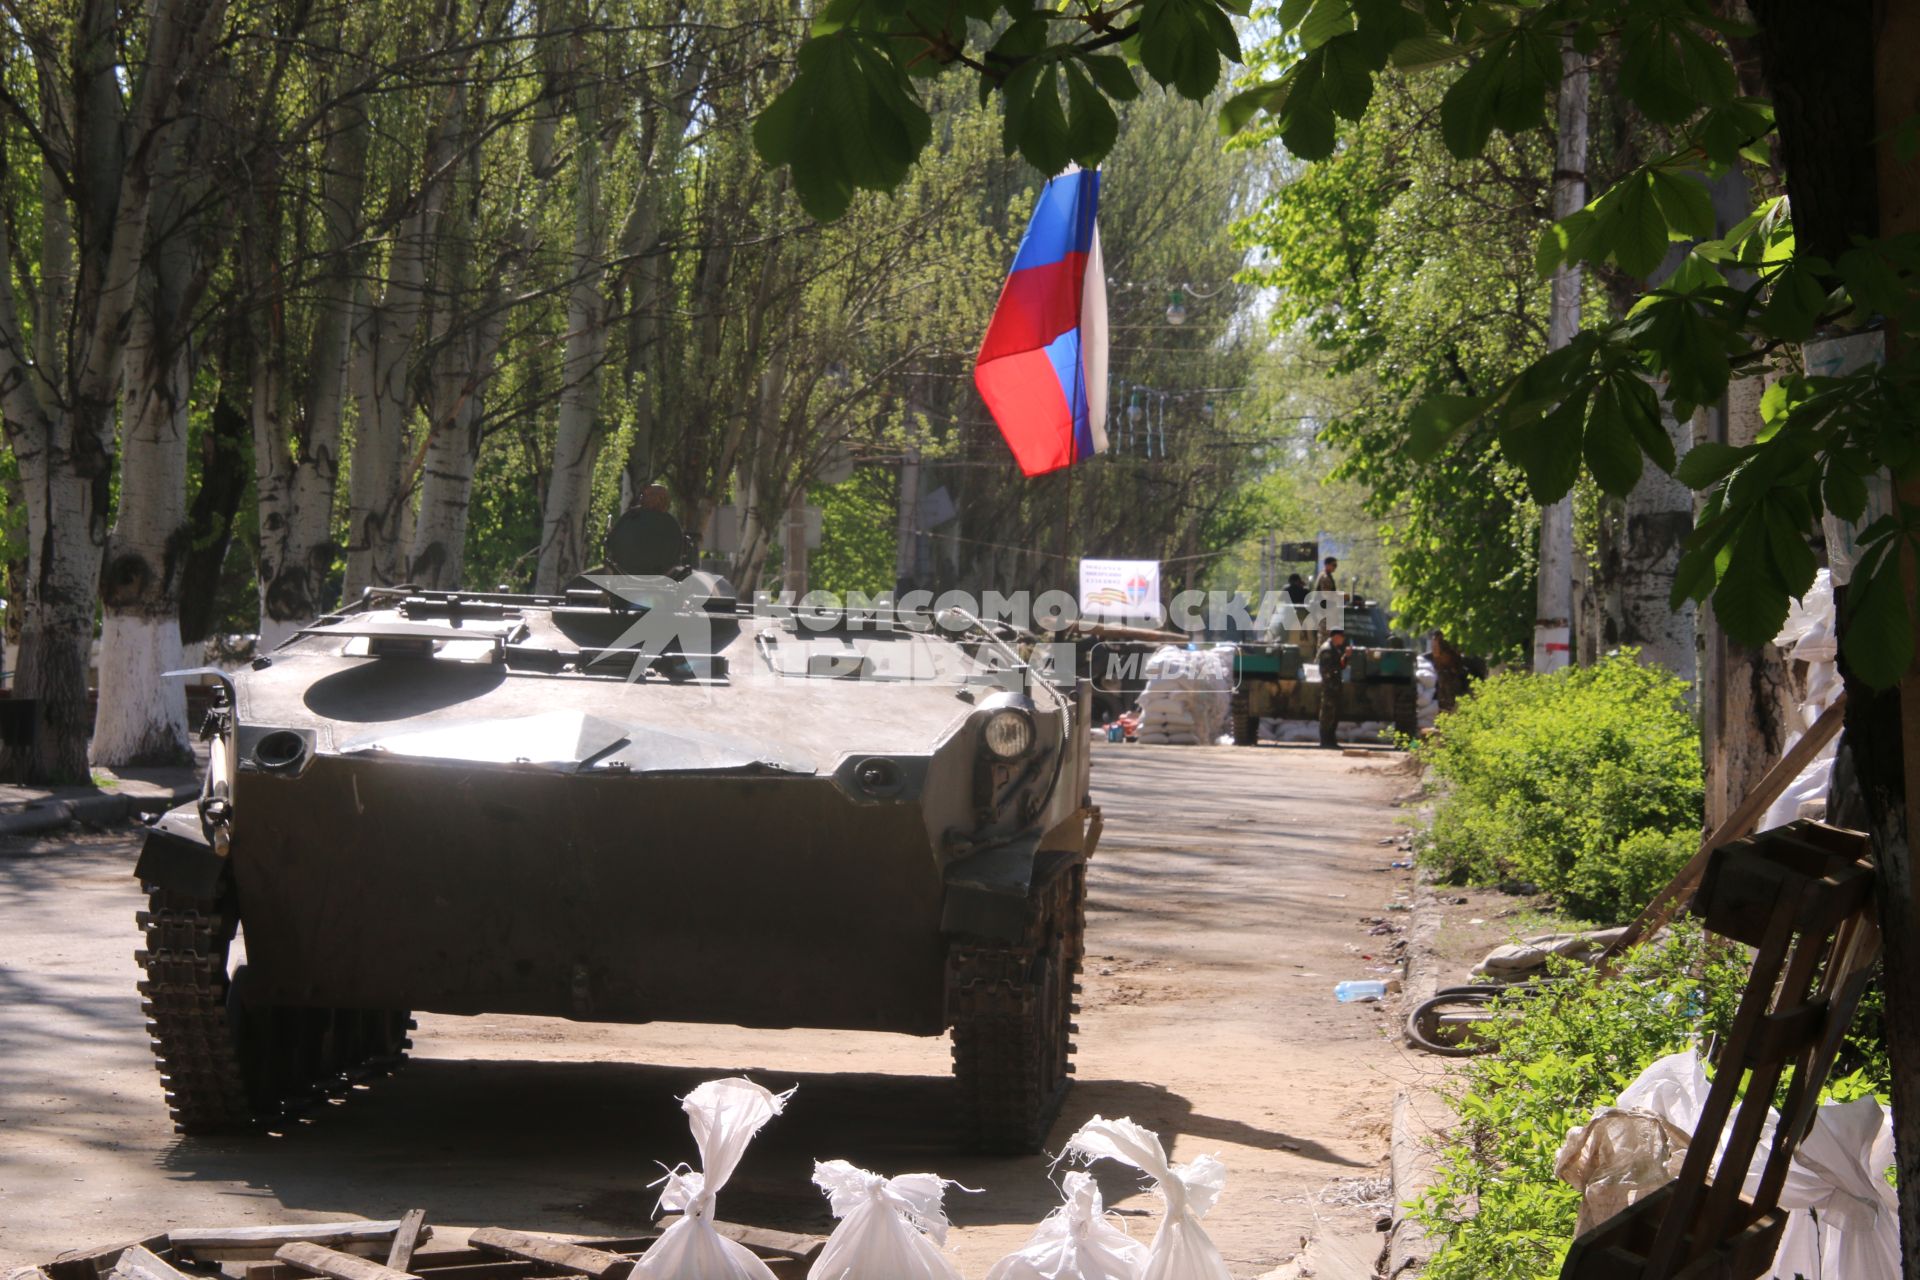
{"x":1333,"y":670}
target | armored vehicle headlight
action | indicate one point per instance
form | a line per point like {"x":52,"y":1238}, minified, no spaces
{"x":1008,"y":733}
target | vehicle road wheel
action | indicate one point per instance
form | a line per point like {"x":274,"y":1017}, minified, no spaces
{"x":1012,"y":1008}
{"x":229,"y":1064}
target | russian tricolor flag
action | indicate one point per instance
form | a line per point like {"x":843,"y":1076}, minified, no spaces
{"x":1042,"y":368}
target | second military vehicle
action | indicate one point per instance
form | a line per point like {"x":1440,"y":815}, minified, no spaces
{"x":1275,"y":676}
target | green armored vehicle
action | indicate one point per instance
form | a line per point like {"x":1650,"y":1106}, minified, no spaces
{"x":634,"y":800}
{"x":1275,"y":676}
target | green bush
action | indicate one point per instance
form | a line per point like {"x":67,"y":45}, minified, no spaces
{"x":1586,"y":782}
{"x":1496,"y":1211}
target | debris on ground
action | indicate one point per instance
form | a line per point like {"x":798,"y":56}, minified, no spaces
{"x":390,"y":1250}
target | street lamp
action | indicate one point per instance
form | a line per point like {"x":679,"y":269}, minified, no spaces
{"x":1176,"y":306}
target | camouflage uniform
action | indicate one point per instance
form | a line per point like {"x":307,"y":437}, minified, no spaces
{"x":1333,"y":663}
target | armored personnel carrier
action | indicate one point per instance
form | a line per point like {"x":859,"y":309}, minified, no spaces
{"x":1275,"y":676}
{"x":632,"y":801}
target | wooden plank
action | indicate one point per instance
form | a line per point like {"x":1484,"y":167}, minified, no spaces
{"x":1666,"y":904}
{"x":322,"y":1261}
{"x":138,"y":1262}
{"x":248,"y":1244}
{"x":773,"y":1244}
{"x":400,"y":1253}
{"x":571,"y":1257}
{"x":88,"y":1264}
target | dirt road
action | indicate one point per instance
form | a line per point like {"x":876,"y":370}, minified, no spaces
{"x":1227,"y":899}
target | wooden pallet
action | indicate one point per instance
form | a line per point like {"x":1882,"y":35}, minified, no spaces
{"x":1802,"y":896}
{"x":390,"y":1250}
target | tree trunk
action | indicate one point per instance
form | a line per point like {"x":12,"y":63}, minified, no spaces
{"x":384,"y":334}
{"x":1553,"y":615}
{"x":142,"y":717}
{"x":1883,"y":730}
{"x":577,"y":436}
{"x":1747,"y":705}
{"x":223,"y":484}
{"x":142,"y":714}
{"x":59,"y":416}
{"x":1840,"y":75}
{"x":296,"y":493}
{"x":1654,"y":520}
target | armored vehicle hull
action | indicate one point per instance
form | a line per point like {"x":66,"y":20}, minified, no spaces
{"x":535,"y":805}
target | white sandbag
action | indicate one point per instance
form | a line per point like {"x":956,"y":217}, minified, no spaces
{"x":1077,"y":1241}
{"x":1181,"y":1249}
{"x":724,"y":1116}
{"x":1842,"y":1216}
{"x":890,"y":1228}
{"x":1845,"y":1218}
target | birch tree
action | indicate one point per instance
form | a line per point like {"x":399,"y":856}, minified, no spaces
{"x":97,"y":130}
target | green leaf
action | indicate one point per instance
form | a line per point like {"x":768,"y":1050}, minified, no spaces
{"x":1437,"y":419}
{"x":1291,"y":13}
{"x":1609,"y":445}
{"x":1793,"y":559}
{"x":1750,"y":603}
{"x":1708,"y":463}
{"x":1419,"y":53}
{"x":1639,"y":228}
{"x":1044,"y":137}
{"x":1547,"y":449}
{"x":1093,"y":126}
{"x":1220,"y":28}
{"x":1016,"y":99}
{"x":1877,"y":641}
{"x":1111,"y":72}
{"x":1177,"y":46}
{"x":1684,"y":201}
{"x":1466,"y":112}
{"x":1639,"y":407}
{"x":1238,"y":111}
{"x":1693,"y":577}
{"x":1795,"y":303}
{"x":1845,"y":492}
{"x":1306,"y":123}
{"x":1348,"y":79}
{"x":1327,"y":19}
{"x":1531,"y":65}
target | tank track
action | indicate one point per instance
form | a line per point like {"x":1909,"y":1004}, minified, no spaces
{"x":1012,"y":1008}
{"x":232,"y":1068}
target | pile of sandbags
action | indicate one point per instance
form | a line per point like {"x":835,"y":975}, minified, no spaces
{"x":1185,"y":702}
{"x":1426,"y":683}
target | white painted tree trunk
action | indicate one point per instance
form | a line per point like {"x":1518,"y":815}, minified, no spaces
{"x":438,"y":556}
{"x":1553,"y":619}
{"x":384,"y":334}
{"x":296,"y":494}
{"x":577,"y":436}
{"x":59,"y":415}
{"x":142,"y":717}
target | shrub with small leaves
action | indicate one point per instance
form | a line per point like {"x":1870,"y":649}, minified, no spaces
{"x":1586,"y":782}
{"x":1496,"y":1209}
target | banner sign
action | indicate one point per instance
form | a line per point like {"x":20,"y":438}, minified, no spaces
{"x":1300,"y":552}
{"x":1119,"y":588}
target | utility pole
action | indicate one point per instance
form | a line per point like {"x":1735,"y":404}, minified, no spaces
{"x":1553,"y":612}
